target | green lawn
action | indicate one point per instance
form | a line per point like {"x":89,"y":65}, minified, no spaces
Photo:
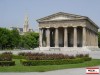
{"x":20,"y":68}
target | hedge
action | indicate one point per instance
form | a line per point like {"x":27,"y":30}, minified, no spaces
{"x":86,"y":58}
{"x":5,"y":57}
{"x":43,"y":56}
{"x":7,"y":63}
{"x":18,"y":57}
{"x":51,"y":62}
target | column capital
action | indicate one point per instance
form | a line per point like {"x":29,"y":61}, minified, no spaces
{"x":47,"y":27}
{"x":65,"y":26}
{"x":56,"y":27}
{"x":84,"y":26}
{"x":75,"y":26}
{"x":40,"y":28}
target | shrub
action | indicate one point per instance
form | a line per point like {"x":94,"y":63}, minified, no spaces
{"x":51,"y":62}
{"x":7,"y":63}
{"x":5,"y":57}
{"x":82,"y":55}
{"x":28,"y":54}
{"x":21,"y":54}
{"x":18,"y":57}
{"x":87,"y":58}
{"x":86,"y":55}
{"x":8,"y":53}
{"x":42,"y":56}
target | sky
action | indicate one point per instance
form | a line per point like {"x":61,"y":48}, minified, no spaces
{"x":13,"y":12}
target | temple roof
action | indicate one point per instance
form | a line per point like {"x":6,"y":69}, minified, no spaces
{"x":64,"y":16}
{"x":60,"y":16}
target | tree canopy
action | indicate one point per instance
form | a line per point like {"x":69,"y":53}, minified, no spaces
{"x":10,"y":39}
{"x":29,"y":40}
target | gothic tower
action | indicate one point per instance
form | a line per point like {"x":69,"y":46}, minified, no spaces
{"x":26,"y":25}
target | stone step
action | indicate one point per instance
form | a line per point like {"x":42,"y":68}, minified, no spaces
{"x":94,"y":49}
{"x":54,"y":49}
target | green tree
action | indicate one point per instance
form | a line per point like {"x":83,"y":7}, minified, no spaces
{"x":14,"y":39}
{"x":29,"y":40}
{"x":9,"y":39}
{"x":4,"y":37}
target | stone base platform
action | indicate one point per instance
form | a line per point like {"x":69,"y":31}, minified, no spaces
{"x":64,"y":50}
{"x":69,"y":51}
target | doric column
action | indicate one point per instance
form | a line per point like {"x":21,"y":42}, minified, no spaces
{"x":40,"y":37}
{"x":87,"y":39}
{"x":56,"y":37}
{"x":48,"y":37}
{"x":97,"y":40}
{"x":65,"y":37}
{"x":90,"y":38}
{"x":75,"y":36}
{"x":93,"y":38}
{"x":84,"y":36}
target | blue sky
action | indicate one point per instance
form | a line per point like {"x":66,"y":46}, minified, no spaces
{"x":12,"y":12}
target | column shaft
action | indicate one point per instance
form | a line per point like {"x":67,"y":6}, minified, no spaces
{"x":87,"y":38}
{"x":48,"y":37}
{"x":75,"y":37}
{"x":65,"y":37}
{"x":84,"y":36}
{"x":97,"y":40}
{"x":93,"y":39}
{"x":40,"y":37}
{"x":56,"y":37}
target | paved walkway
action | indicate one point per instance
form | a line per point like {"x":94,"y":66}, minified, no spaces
{"x":75,"y":71}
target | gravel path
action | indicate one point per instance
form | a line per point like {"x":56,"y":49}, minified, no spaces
{"x":75,"y":71}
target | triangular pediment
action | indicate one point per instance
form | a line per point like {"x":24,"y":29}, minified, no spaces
{"x":60,"y":16}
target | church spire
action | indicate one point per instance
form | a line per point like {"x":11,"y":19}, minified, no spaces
{"x":26,"y":25}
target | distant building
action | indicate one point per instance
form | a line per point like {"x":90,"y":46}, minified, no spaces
{"x":25,"y":28}
{"x":26,"y":25}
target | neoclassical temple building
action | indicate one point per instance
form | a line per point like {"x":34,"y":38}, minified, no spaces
{"x":64,"y":30}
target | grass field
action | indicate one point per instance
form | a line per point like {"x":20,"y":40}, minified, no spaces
{"x":20,"y":68}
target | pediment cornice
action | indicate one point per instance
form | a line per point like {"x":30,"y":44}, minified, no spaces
{"x":60,"y":16}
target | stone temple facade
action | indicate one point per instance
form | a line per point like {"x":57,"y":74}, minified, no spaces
{"x":63,"y":30}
